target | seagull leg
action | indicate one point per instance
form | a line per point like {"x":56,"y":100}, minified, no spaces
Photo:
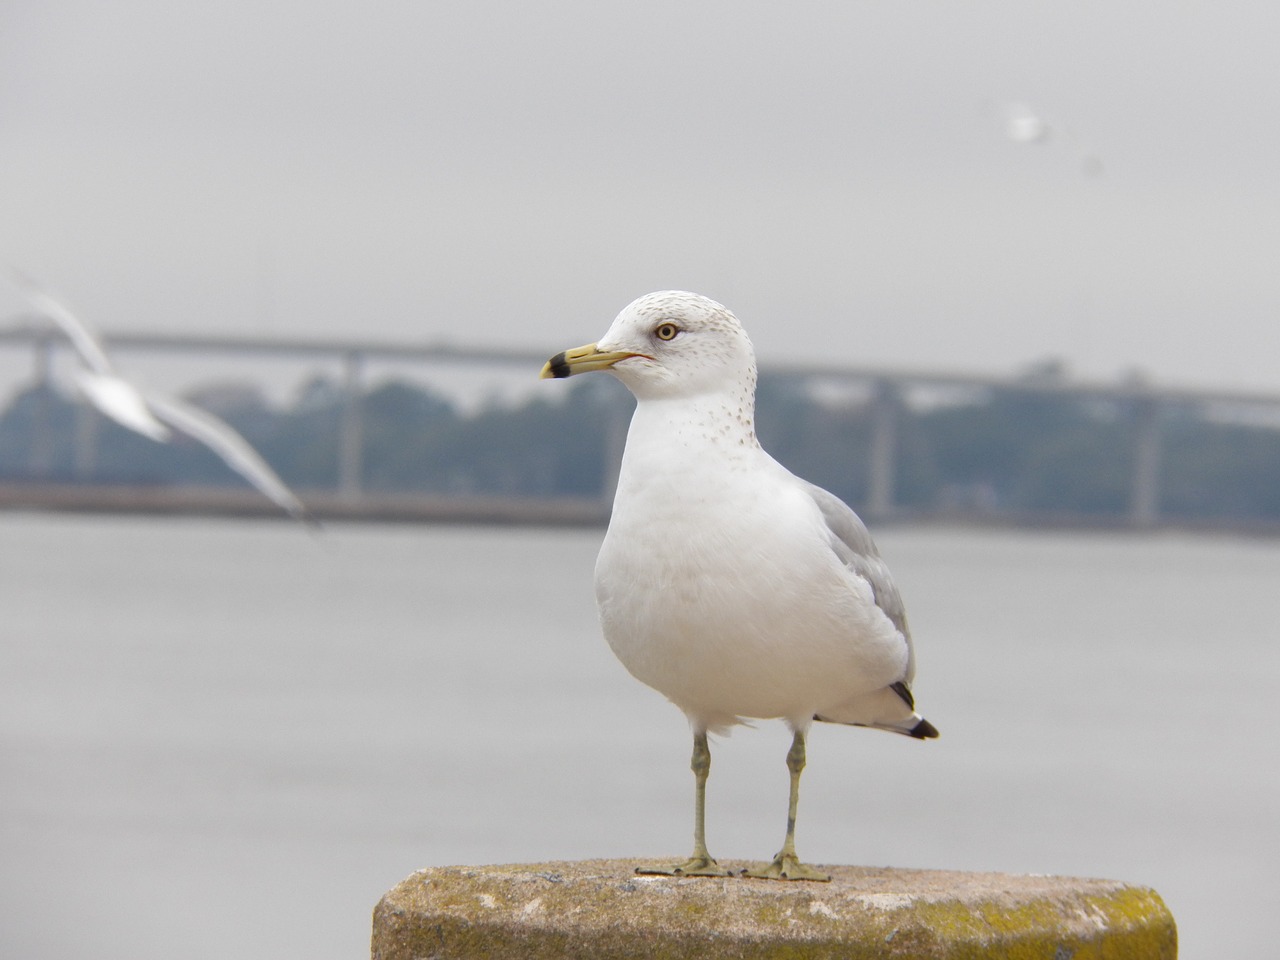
{"x":786,"y":865}
{"x":701,"y":863}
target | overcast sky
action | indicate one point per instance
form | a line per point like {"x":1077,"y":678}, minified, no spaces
{"x":839,"y":174}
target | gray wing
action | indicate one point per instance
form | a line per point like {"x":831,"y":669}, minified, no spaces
{"x":853,"y":545}
{"x":223,"y":440}
{"x":84,"y":340}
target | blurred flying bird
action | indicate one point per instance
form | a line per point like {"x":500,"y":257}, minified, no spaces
{"x":1025,"y":126}
{"x":1022,"y":124}
{"x":96,"y":377}
{"x":152,"y":414}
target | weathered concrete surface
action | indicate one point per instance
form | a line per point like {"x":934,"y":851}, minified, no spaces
{"x":602,"y":910}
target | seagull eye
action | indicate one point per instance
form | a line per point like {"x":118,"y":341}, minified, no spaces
{"x":666,"y":331}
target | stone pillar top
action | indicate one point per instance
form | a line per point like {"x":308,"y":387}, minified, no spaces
{"x":601,"y":909}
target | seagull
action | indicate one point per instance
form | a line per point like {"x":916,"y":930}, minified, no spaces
{"x":1024,"y":125}
{"x":150,"y":413}
{"x":725,"y":582}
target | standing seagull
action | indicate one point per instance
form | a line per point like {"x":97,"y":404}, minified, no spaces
{"x":725,"y":582}
{"x":152,"y":414}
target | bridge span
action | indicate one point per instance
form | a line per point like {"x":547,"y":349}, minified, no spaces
{"x":886,"y":391}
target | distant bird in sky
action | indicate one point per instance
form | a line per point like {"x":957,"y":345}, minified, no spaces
{"x":152,"y":414}
{"x":1022,"y":124}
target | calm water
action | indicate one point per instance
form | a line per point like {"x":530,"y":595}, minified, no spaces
{"x":224,"y":739}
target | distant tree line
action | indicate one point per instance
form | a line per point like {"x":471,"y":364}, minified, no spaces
{"x":1011,"y":449}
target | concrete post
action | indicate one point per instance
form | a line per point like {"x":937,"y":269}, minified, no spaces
{"x":602,"y":910}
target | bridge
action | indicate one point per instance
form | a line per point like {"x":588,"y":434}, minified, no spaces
{"x":886,"y":390}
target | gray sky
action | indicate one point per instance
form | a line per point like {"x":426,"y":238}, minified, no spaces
{"x":837,"y":173}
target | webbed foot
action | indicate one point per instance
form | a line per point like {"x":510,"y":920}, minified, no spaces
{"x":787,"y":866}
{"x":693,"y":867}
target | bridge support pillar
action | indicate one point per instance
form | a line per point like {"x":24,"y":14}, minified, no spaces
{"x":351,"y":427}
{"x":881,"y":462}
{"x":1144,"y":494}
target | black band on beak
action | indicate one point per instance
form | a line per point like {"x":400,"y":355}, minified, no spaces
{"x":559,"y":368}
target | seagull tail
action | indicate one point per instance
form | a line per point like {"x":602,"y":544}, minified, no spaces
{"x":923,"y":730}
{"x":918,"y":727}
{"x":891,"y":708}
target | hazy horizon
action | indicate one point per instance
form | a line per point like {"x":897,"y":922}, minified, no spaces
{"x":841,"y":176}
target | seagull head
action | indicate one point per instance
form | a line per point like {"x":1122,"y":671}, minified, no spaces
{"x":667,"y":344}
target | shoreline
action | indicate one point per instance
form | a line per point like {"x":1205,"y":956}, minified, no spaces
{"x":425,"y":508}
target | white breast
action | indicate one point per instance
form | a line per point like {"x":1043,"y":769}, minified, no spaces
{"x":718,"y":588}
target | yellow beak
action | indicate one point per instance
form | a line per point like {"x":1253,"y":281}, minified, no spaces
{"x":582,"y":360}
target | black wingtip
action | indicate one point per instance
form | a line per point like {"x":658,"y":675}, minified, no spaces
{"x":904,"y":692}
{"x":924,"y":730}
{"x":558,"y":366}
